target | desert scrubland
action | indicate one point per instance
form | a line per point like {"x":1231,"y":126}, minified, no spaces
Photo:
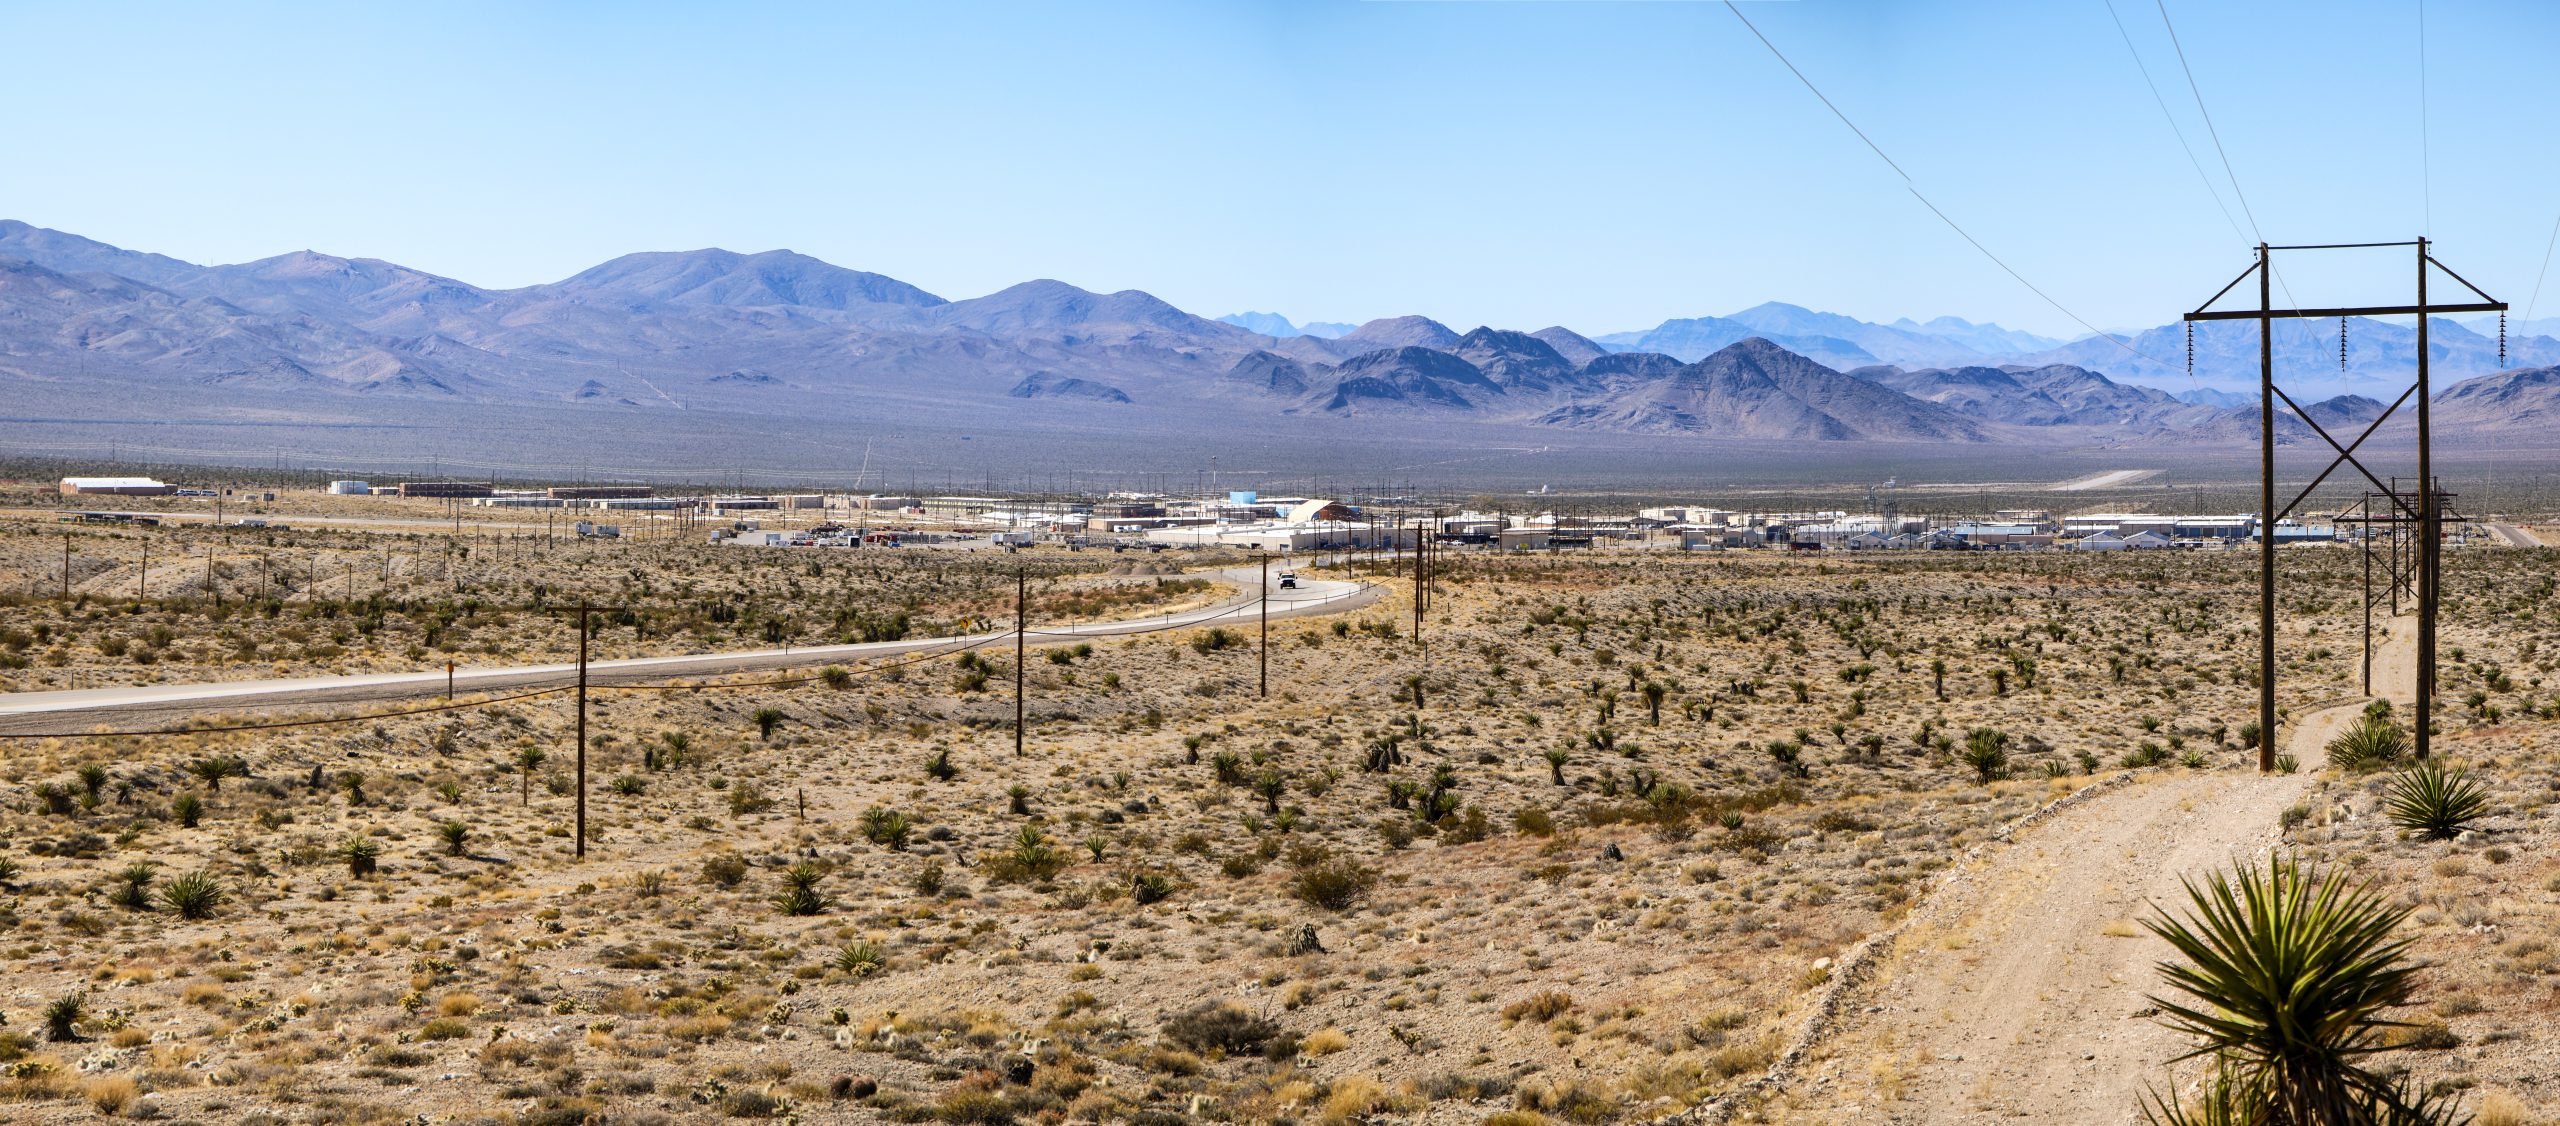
{"x":1587,"y":851}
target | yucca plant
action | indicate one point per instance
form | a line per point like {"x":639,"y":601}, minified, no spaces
{"x":193,"y":896}
{"x":2286,"y":976}
{"x":1986,"y":750}
{"x":887,"y":828}
{"x":62,"y":1017}
{"x":362,"y":855}
{"x":2372,"y":744}
{"x":861,"y":958}
{"x":800,"y":894}
{"x":457,"y":837}
{"x":2434,"y":801}
{"x":187,"y":809}
{"x":938,"y":767}
{"x":134,"y":892}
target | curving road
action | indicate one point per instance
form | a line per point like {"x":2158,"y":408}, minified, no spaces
{"x":164,"y":703}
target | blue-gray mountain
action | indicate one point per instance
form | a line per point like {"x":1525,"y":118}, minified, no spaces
{"x":87,"y":327}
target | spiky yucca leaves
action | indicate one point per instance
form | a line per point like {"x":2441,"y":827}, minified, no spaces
{"x":2435,"y":801}
{"x":800,"y":894}
{"x":2228,"y":1096}
{"x":2286,"y":977}
{"x":2372,"y":744}
{"x":194,"y":895}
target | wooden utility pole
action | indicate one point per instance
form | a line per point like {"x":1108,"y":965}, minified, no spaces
{"x":1021,"y":626}
{"x":2430,"y":524}
{"x":66,"y":566}
{"x":144,"y":589}
{"x":1266,"y":627}
{"x":1418,"y":581}
{"x":2267,"y":515}
{"x":583,"y":610}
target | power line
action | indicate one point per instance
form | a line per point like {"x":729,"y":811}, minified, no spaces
{"x":2209,"y":130}
{"x":2547,"y":244}
{"x":2426,"y":164}
{"x":1914,"y":189}
{"x":2202,"y":176}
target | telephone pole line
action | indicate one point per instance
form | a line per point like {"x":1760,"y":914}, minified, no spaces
{"x":1266,"y":627}
{"x":1021,"y":627}
{"x":583,"y":610}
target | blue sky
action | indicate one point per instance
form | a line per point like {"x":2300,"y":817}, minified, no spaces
{"x":1600,"y":165}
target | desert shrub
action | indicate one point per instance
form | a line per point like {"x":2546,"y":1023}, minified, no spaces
{"x":1333,"y":885}
{"x":726,"y":870}
{"x":187,"y":809}
{"x":1539,"y":1009}
{"x":1032,"y":858}
{"x":747,"y":798}
{"x":1220,"y":1026}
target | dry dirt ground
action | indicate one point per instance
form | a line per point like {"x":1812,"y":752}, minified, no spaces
{"x":1583,"y":858}
{"x":2021,"y":990}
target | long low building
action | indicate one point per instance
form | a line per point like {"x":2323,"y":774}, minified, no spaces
{"x":1281,"y":536}
{"x":116,"y":486}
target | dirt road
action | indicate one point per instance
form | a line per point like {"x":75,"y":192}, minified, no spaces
{"x":2018,"y":991}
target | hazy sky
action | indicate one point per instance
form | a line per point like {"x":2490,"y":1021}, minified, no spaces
{"x":1600,"y":165}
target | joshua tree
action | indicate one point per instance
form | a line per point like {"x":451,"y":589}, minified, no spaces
{"x":1018,"y":799}
{"x":1653,"y":692}
{"x":457,"y":837}
{"x":1556,"y":758}
{"x":1938,"y":676}
{"x":528,"y":757}
{"x":1270,"y":785}
{"x":766,"y":719}
{"x":214,"y":770}
{"x":361,"y":854}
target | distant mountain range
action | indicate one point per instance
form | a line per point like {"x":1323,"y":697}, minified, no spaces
{"x":308,"y":337}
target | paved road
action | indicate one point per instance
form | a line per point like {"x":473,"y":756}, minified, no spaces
{"x":2515,"y":536}
{"x":162,"y":704}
